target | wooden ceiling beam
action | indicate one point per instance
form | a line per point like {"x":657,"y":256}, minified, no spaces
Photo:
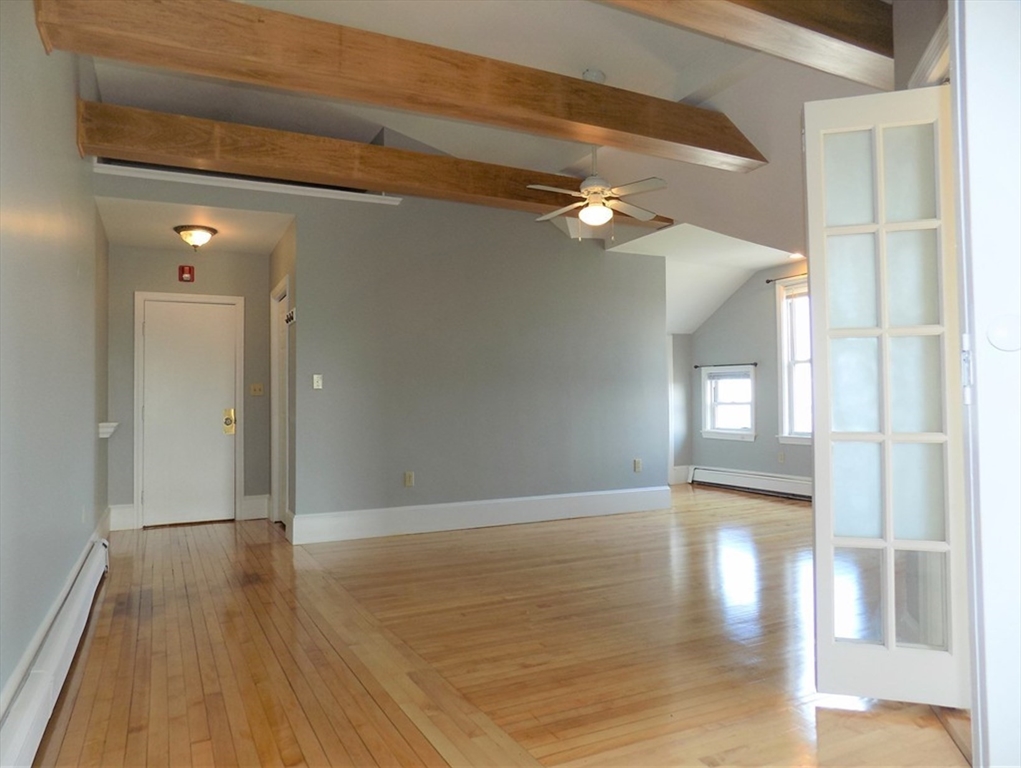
{"x":849,"y":38}
{"x":176,"y":141}
{"x":253,"y":45}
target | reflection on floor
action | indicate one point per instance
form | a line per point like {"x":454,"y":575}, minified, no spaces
{"x":677,"y":637}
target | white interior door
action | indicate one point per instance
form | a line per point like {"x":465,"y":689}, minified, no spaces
{"x":190,"y":378}
{"x":891,"y":580}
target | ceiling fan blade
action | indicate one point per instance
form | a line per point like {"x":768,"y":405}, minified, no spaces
{"x":560,"y":211}
{"x":631,"y":210}
{"x":556,"y":189}
{"x":636,"y":187}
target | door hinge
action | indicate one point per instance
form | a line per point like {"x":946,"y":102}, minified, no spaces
{"x":966,"y":379}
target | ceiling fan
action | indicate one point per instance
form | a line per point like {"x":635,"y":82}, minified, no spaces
{"x":600,"y":200}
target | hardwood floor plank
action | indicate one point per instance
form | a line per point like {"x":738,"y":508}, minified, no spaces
{"x":673,"y":637}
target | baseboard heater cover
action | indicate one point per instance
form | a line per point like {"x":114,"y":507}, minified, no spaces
{"x":758,"y":482}
{"x":24,"y":722}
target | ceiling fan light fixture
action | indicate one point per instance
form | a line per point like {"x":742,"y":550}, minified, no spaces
{"x":595,"y":214}
{"x":195,"y":235}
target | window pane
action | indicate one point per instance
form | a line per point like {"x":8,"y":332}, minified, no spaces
{"x":801,"y":398}
{"x":857,"y":490}
{"x":733,"y":417}
{"x":854,"y":392}
{"x":801,"y":336}
{"x":847,"y":163}
{"x":851,"y":281}
{"x":912,"y":277}
{"x":857,"y":594}
{"x":910,"y":164}
{"x":920,"y":604}
{"x":919,"y":503}
{"x":733,"y":390}
{"x":916,"y":384}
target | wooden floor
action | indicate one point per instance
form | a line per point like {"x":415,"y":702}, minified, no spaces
{"x":679,"y":637}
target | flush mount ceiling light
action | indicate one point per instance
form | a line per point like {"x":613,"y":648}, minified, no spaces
{"x":195,"y":235}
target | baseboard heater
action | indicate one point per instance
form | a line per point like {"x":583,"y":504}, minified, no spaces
{"x":788,"y":486}
{"x":25,"y":719}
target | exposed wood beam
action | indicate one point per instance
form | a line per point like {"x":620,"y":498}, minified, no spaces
{"x":849,"y":38}
{"x":253,"y":45}
{"x":138,"y":135}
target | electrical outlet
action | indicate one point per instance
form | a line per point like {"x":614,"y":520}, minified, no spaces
{"x":781,"y":457}
{"x":409,"y":479}
{"x":638,"y":465}
{"x":317,"y":381}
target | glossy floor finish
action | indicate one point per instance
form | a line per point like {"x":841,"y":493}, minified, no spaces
{"x":679,"y":637}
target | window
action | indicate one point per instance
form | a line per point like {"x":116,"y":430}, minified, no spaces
{"x":795,"y":361}
{"x":728,"y":402}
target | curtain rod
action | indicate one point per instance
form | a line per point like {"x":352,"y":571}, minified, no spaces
{"x":789,"y":277}
{"x":725,"y":365}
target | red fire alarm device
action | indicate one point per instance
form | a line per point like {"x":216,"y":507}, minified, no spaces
{"x":186,"y":273}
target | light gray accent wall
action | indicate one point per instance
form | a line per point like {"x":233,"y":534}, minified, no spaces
{"x":914,"y":24}
{"x":489,"y":354}
{"x":49,"y":455}
{"x":683,"y":438}
{"x":220,"y":274}
{"x":744,"y":330}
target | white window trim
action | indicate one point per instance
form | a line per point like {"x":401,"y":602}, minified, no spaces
{"x":785,"y":437}
{"x":746,"y":435}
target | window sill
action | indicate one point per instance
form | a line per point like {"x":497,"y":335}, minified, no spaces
{"x":717,"y":434}
{"x":793,"y":440}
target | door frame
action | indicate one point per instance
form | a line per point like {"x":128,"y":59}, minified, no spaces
{"x":279,"y":406}
{"x":238,"y":302}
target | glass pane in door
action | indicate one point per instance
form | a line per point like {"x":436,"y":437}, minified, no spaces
{"x":912,"y":277}
{"x":909,"y":165}
{"x":854,"y":366}
{"x":857,"y":594}
{"x":849,"y":178}
{"x":921,"y":598}
{"x":916,"y":389}
{"x":851,"y":281}
{"x":857,"y":490}
{"x":919,"y":501}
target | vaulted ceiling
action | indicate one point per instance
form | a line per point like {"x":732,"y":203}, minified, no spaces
{"x":472,"y":101}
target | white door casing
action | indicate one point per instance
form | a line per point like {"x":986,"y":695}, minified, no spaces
{"x":890,"y":548}
{"x":279,"y":402}
{"x":188,"y":370}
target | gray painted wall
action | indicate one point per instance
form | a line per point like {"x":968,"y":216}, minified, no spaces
{"x":491,"y":355}
{"x":684,"y":428}
{"x":221,"y":274}
{"x":914,"y":23}
{"x":49,"y":452}
{"x":744,"y":330}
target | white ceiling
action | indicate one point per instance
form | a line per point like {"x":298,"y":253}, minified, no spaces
{"x":703,"y":268}
{"x":144,"y":224}
{"x":761,"y":95}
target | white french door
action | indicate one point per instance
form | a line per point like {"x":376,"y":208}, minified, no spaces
{"x":891,"y":580}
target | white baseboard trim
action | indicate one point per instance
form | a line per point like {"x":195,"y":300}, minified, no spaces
{"x":254,"y":507}
{"x":288,"y":521}
{"x":679,"y":473}
{"x":764,"y":482}
{"x":369,"y":523}
{"x":27,"y":699}
{"x":124,"y":517}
